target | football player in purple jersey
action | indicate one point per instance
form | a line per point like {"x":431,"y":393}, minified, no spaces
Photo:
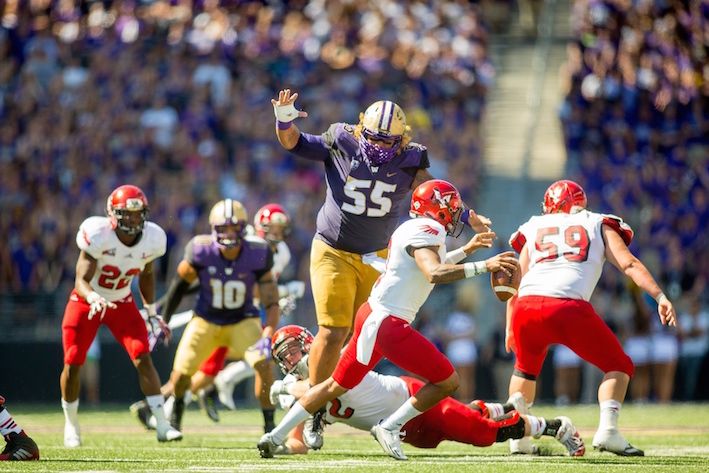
{"x":229,"y":266}
{"x":370,"y":168}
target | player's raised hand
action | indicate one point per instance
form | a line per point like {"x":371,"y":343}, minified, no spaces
{"x":480,"y":240}
{"x":479,"y":223}
{"x":284,"y":107}
{"x":668,"y":316}
{"x":503,"y":262}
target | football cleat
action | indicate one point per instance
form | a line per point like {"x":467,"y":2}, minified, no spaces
{"x":390,"y":441}
{"x":19,"y":447}
{"x":266,"y":446}
{"x":313,"y":431}
{"x":225,"y":390}
{"x":178,"y":409}
{"x":168,"y":434}
{"x":142,"y":412}
{"x":72,"y":438}
{"x":523,"y":446}
{"x":208,"y":403}
{"x":612,"y":441}
{"x":569,"y":437}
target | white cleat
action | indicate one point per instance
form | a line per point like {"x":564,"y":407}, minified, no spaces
{"x":523,"y":446}
{"x":72,"y":438}
{"x":612,"y":441}
{"x":569,"y":437}
{"x":390,"y":441}
{"x":266,"y":446}
{"x":313,"y":431}
{"x":225,"y":390}
{"x":169,"y":434}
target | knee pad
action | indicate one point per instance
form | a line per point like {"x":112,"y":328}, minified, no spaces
{"x":510,"y":427}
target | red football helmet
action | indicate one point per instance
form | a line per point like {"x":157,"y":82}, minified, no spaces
{"x":564,"y":196}
{"x":127,"y":209}
{"x":439,"y":200}
{"x":272,"y":223}
{"x":289,"y":345}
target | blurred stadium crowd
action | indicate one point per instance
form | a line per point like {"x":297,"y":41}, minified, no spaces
{"x":174,"y":96}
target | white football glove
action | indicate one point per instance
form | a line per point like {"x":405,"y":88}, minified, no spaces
{"x":287,"y":305}
{"x":376,"y":262}
{"x":98,"y":305}
{"x":279,"y":392}
{"x":296,"y":289}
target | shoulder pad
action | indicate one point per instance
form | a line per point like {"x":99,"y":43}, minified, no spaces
{"x":620,"y":227}
{"x":156,"y":236}
{"x":517,"y":241}
{"x":92,"y":235}
{"x":415,"y":155}
{"x":341,"y":136}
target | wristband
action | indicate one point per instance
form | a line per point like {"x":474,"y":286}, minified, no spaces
{"x":455,"y":256}
{"x":474,"y":269}
{"x":92,"y":297}
{"x":661,"y":296}
{"x":465,"y":217}
{"x":283,"y":125}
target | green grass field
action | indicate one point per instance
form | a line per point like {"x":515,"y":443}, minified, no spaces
{"x":675,"y":439}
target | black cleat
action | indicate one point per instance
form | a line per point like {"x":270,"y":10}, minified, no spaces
{"x":208,"y":403}
{"x":176,"y":417}
{"x":143,"y":413}
{"x":19,"y":447}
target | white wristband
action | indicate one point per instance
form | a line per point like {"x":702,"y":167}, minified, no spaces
{"x":455,"y":256}
{"x":474,"y":269}
{"x":660,"y":297}
{"x":285,"y":113}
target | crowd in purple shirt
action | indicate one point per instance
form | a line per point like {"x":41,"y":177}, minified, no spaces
{"x":175,"y":97}
{"x":635,"y":120}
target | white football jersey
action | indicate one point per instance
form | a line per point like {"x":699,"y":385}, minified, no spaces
{"x":566,"y":253}
{"x":117,"y":263}
{"x":281,"y":258}
{"x":372,"y":400}
{"x":402,"y":289}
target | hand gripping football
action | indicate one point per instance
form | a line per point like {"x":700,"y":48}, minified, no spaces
{"x":503,"y":285}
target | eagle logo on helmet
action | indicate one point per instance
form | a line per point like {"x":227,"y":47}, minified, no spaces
{"x":228,"y":219}
{"x":382,"y":132}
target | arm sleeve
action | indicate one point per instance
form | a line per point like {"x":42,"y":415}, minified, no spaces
{"x":312,"y":147}
{"x":175,"y":292}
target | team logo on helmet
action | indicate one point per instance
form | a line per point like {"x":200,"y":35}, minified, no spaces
{"x":127,"y":209}
{"x":228,"y":220}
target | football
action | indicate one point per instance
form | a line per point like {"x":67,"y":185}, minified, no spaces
{"x":503,"y":285}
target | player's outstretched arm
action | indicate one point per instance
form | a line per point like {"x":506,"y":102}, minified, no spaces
{"x":619,"y":255}
{"x":179,"y":287}
{"x":285,"y":111}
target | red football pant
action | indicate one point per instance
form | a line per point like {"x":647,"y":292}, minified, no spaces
{"x":124,"y":322}
{"x":214,"y":364}
{"x":399,"y":343}
{"x":539,"y":321}
{"x":448,"y":420}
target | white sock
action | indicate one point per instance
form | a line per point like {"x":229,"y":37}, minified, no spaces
{"x":401,"y":416}
{"x":7,"y":424}
{"x":293,"y":417}
{"x":71,"y":413}
{"x":156,"y":402}
{"x":495,"y":409}
{"x":610,"y":410}
{"x":235,"y":372}
{"x":536,"y":426}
